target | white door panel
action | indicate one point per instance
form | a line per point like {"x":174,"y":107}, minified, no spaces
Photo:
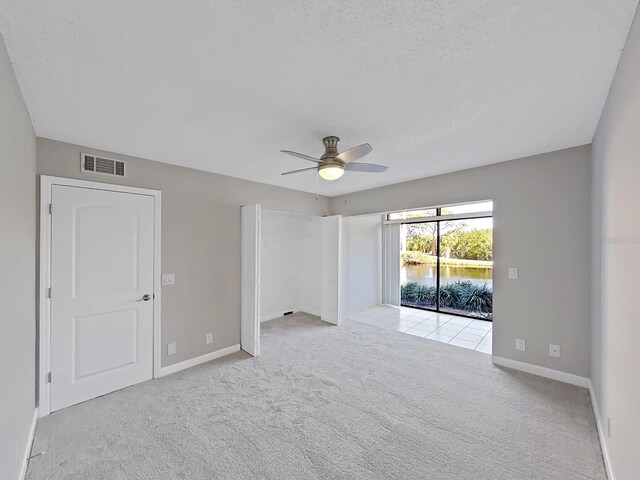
{"x":331,"y":250}
{"x":250,"y":279}
{"x":93,"y":228}
{"x":101,"y":266}
{"x":104,"y":342}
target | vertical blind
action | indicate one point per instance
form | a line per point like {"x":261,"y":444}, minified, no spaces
{"x":391,"y":264}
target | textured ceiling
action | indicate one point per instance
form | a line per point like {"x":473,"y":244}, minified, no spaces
{"x":434,"y":86}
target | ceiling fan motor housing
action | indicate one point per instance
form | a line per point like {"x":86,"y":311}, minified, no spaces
{"x":330,"y":148}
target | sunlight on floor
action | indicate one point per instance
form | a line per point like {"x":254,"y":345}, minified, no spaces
{"x":459,"y":331}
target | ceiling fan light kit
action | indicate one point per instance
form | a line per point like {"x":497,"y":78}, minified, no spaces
{"x":332,"y":165}
{"x":331,"y":171}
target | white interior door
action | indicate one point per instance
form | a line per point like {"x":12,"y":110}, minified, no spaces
{"x":102,"y":253}
{"x":330,"y":255}
{"x":250,"y":279}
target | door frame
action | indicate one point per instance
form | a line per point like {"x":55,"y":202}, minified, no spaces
{"x":438,"y":218}
{"x":43,"y":348}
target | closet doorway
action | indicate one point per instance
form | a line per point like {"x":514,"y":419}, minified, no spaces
{"x":290,"y":263}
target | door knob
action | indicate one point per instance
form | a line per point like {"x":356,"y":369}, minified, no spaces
{"x":145,"y":298}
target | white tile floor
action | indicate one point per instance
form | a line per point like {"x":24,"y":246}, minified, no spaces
{"x":451,"y":329}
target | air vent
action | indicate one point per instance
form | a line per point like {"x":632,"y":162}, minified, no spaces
{"x":105,"y":166}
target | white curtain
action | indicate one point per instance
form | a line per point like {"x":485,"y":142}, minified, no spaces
{"x":391,"y":264}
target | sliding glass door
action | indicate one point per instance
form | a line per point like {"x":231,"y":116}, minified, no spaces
{"x":419,"y":264}
{"x":447,"y":259}
{"x":466,"y":266}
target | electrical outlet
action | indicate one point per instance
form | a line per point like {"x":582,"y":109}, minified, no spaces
{"x":520,"y":344}
{"x":554,"y":350}
{"x":168,"y":278}
{"x":513,"y":273}
{"x":209,"y":338}
{"x":171,"y":349}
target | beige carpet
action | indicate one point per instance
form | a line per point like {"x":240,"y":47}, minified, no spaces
{"x":325,"y":402}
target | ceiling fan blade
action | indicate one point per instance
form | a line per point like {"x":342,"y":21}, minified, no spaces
{"x":299,"y":171}
{"x":354,"y":153}
{"x":365,"y":167}
{"x":301,"y":155}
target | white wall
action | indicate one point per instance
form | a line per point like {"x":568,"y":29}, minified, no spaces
{"x":17,"y":264}
{"x":542,"y":216}
{"x":311,"y":272}
{"x":616,"y":263}
{"x":290,"y":269}
{"x":362,"y":262}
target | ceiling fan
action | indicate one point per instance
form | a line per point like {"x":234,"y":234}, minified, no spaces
{"x":332,"y":165}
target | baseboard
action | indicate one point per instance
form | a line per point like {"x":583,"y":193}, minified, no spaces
{"x":272,"y":316}
{"x":542,"y":371}
{"x":176,"y":367}
{"x":27,"y":448}
{"x":602,"y":435}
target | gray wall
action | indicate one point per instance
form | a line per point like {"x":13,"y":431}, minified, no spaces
{"x":542,"y":226}
{"x":17,"y":264}
{"x":616,"y":257}
{"x":200,"y":240}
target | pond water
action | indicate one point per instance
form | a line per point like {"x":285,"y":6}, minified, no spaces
{"x":426,"y":274}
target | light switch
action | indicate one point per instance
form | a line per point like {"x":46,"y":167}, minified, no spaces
{"x":513,"y":273}
{"x":168,"y":278}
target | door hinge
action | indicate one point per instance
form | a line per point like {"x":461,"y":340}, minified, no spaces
{"x":49,"y":377}
{"x":50,"y":208}
{"x":49,"y":292}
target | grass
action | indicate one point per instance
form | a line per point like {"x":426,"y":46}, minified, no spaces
{"x":417,"y":258}
{"x":461,"y":295}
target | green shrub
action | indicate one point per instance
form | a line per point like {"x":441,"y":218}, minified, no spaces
{"x":479,"y":299}
{"x":418,"y":293}
{"x":461,"y":295}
